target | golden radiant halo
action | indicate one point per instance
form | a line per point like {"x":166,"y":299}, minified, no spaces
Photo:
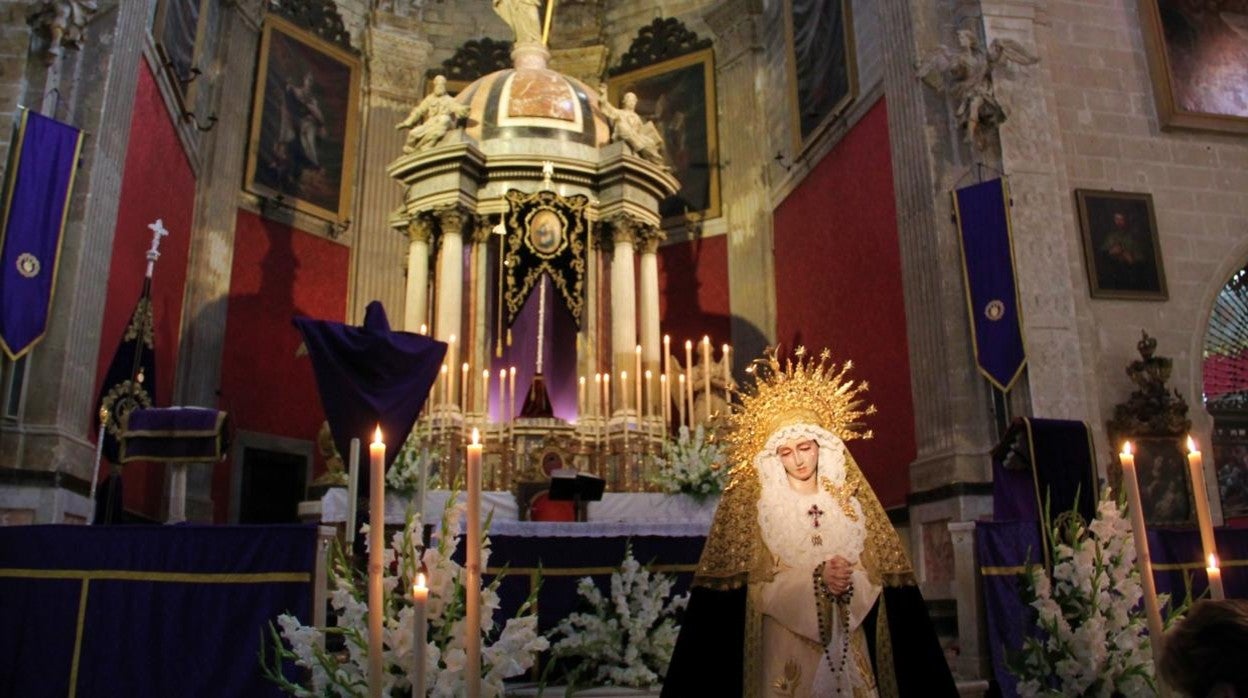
{"x":799,"y":390}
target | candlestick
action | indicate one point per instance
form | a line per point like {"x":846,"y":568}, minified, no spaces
{"x":706,"y":373}
{"x":1216,"y":591}
{"x":353,"y":490}
{"x":728,"y":375}
{"x":637,"y":378}
{"x":1207,"y":541}
{"x":376,"y":546}
{"x":420,"y":635}
{"x":1131,"y":484}
{"x":472,"y":561}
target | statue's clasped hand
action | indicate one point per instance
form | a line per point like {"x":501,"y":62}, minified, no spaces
{"x":838,"y":575}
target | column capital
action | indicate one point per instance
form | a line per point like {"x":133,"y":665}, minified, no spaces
{"x":621,"y":227}
{"x":451,"y":219}
{"x":420,"y":229}
{"x":482,"y":229}
{"x":649,"y":237}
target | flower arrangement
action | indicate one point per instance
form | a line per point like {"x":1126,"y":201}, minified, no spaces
{"x":504,"y":653}
{"x":416,"y":455}
{"x":624,"y":640}
{"x":694,"y":464}
{"x":1093,"y":639}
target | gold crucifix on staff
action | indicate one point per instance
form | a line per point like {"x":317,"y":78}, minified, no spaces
{"x":550,"y":13}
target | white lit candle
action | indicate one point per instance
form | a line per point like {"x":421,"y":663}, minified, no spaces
{"x":463,"y":389}
{"x":420,"y":634}
{"x":485,"y":394}
{"x":728,"y":375}
{"x":1216,"y":591}
{"x":511,"y":397}
{"x":624,"y":391}
{"x":1207,"y":541}
{"x":1131,"y":485}
{"x":684,"y":413}
{"x":706,"y":373}
{"x":637,"y":379}
{"x":376,"y":546}
{"x":472,"y":562}
{"x":580,"y":399}
{"x":446,"y":386}
{"x":649,"y":397}
{"x":597,"y":407}
{"x":688,"y":388}
{"x":665,"y":401}
{"x":451,"y":358}
{"x":424,"y":329}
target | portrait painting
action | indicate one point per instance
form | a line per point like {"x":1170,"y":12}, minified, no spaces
{"x":1165,"y":481}
{"x":678,"y":95}
{"x":823,"y":75}
{"x":1198,"y":59}
{"x":304,"y":116}
{"x":1120,"y":245}
{"x":1230,"y":457}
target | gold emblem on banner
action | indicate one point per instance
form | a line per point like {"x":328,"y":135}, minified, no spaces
{"x":28,"y":265}
{"x":995,"y":310}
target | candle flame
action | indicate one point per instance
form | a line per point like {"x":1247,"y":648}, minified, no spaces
{"x":688,"y":344}
{"x":444,"y":368}
{"x":424,"y":329}
{"x":623,"y":375}
{"x":452,"y":339}
{"x":420,"y":584}
{"x":582,"y":380}
{"x":1191,"y":445}
{"x":706,"y":339}
{"x":1126,"y":448}
{"x":726,"y":348}
{"x":465,"y":367}
{"x":606,"y":378}
{"x":377,"y":435}
{"x":667,"y":339}
{"x":597,"y":377}
{"x":648,"y":374}
{"x":682,"y":378}
{"x":662,"y":377}
{"x":637,"y":349}
{"x":1213,"y":561}
{"x":476,"y":436}
{"x":486,"y":374}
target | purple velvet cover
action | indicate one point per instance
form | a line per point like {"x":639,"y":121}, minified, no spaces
{"x":172,"y":434}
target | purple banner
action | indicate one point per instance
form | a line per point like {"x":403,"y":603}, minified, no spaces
{"x":41,"y":176}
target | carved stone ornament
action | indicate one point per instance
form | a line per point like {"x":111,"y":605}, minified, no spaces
{"x":318,"y":16}
{"x":475,"y":58}
{"x":63,"y":22}
{"x":1152,"y":409}
{"x":658,"y":41}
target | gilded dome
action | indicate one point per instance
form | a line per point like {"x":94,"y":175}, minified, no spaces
{"x":533,"y":102}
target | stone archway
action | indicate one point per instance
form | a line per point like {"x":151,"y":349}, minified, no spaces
{"x":1224,"y":388}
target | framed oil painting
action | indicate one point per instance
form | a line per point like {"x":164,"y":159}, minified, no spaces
{"x":1198,"y":59}
{"x":1120,"y":245}
{"x":304,"y":121}
{"x":823,"y":74}
{"x":679,"y":96}
{"x":1230,"y":457}
{"x":1165,"y":481}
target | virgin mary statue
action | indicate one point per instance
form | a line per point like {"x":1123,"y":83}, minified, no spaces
{"x":804,"y":583}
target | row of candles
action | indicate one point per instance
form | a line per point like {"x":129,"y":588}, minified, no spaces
{"x":594,"y":399}
{"x":1131,"y":485}
{"x":420,"y":591}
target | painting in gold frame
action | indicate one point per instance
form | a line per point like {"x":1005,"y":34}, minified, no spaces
{"x":679,"y":96}
{"x":304,"y":120}
{"x":823,"y":72}
{"x":1120,"y":245}
{"x":1198,"y":59}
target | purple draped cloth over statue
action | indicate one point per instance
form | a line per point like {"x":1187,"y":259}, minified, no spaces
{"x":371,"y":376}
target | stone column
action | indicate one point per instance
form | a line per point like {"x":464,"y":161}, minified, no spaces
{"x":448,"y":322}
{"x":416,"y":303}
{"x":479,"y":341}
{"x":211,"y":255}
{"x":744,"y":187}
{"x":648,"y":302}
{"x":624,"y":231}
{"x":397,"y":54}
{"x":953,"y":425}
{"x":50,"y":437}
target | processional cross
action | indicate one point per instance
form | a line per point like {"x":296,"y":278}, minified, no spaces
{"x":814,"y":513}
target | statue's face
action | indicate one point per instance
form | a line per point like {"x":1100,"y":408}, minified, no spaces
{"x":439,"y":85}
{"x":800,"y":459}
{"x":630,"y":100}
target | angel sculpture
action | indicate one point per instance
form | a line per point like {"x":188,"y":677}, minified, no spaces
{"x":967,"y":72}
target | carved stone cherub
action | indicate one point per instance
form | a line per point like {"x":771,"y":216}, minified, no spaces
{"x":966,"y":74}
{"x":430,"y":120}
{"x":65,"y":22}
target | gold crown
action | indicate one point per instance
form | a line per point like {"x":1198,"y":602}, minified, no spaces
{"x":801,"y":390}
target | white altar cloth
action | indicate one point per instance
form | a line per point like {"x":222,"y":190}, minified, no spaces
{"x":619,"y":513}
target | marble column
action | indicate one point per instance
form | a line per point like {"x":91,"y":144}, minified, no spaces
{"x":398,"y":54}
{"x":211,"y":257}
{"x":479,"y":342}
{"x":416,"y":302}
{"x":624,"y":231}
{"x":448,"y":322}
{"x":648,"y":302}
{"x":745,"y":189}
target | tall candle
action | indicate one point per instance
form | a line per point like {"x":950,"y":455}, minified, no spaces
{"x":665,"y":401}
{"x":681,"y":404}
{"x":1131,"y":484}
{"x":649,"y":398}
{"x":637,"y":378}
{"x":463,"y":389}
{"x":667,"y":352}
{"x":728,"y":374}
{"x":502,"y":397}
{"x":580,"y":399}
{"x":353,"y":490}
{"x":451,"y":357}
{"x":446,"y":386}
{"x":688,"y":390}
{"x":485,"y":394}
{"x":472,"y":561}
{"x":706,"y":372}
{"x":606,"y":394}
{"x":1207,"y":541}
{"x":511,"y":397}
{"x":597,"y":406}
{"x":376,"y":546}
{"x":420,"y":635}
{"x":624,"y":391}
{"x":424,"y":329}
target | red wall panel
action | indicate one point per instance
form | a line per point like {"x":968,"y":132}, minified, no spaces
{"x":279,"y":272}
{"x":838,"y":285}
{"x":693,"y":291}
{"x":157,"y":183}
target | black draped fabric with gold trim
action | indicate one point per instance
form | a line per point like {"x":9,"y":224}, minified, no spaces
{"x":546,"y":234}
